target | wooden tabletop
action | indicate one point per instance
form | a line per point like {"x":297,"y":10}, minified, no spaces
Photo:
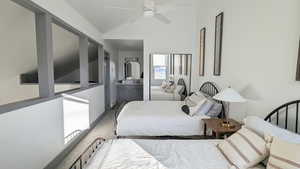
{"x":216,"y":125}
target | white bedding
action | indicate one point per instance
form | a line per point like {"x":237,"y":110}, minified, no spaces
{"x":161,"y":154}
{"x":157,"y":93}
{"x":157,"y":118}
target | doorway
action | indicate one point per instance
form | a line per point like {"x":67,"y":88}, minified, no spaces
{"x":107,"y":79}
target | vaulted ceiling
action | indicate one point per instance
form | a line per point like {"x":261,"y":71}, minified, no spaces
{"x":109,"y":14}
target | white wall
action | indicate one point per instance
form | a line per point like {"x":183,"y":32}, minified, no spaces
{"x":95,"y":96}
{"x":113,"y":51}
{"x":32,"y":136}
{"x":260,"y":46}
{"x":176,"y":37}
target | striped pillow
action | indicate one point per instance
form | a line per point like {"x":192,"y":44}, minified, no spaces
{"x":284,"y":155}
{"x":244,"y":149}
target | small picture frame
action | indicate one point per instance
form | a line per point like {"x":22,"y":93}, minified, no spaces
{"x":202,"y":51}
{"x":218,"y":43}
{"x":298,"y":65}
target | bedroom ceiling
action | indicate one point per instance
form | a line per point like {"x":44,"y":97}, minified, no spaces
{"x":131,"y":45}
{"x":105,"y":18}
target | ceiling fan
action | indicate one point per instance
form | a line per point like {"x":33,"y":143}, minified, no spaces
{"x":150,"y":9}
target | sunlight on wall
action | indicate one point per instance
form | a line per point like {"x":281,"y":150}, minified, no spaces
{"x":76,"y":116}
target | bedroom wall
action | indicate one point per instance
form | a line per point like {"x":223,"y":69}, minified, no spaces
{"x":260,"y":48}
{"x":113,"y":51}
{"x":177,"y":37}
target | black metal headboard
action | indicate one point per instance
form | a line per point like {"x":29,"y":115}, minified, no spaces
{"x":283,"y":113}
{"x":209,"y":88}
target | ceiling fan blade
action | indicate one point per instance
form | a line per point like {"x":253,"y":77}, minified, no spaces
{"x":162,"y":18}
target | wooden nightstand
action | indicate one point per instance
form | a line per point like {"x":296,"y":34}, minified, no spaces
{"x":218,"y":130}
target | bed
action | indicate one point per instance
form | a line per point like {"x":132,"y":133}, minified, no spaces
{"x":182,"y":154}
{"x":157,"y":93}
{"x":161,"y":118}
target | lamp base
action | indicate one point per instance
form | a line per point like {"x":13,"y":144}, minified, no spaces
{"x":227,"y":124}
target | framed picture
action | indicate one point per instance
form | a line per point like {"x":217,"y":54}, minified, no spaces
{"x":218,"y":43}
{"x":298,"y":65}
{"x":202,"y":51}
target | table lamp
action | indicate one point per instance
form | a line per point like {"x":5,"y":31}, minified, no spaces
{"x":228,"y":96}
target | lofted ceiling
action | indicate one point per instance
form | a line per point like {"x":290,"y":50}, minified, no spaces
{"x":109,"y":14}
{"x":130,"y":45}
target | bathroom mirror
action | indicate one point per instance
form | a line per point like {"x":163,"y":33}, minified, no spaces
{"x":132,"y":70}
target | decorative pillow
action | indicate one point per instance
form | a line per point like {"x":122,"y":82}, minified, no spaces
{"x":195,"y":109}
{"x":196,"y":98}
{"x":189,"y":102}
{"x":215,"y":110}
{"x":186,"y":109}
{"x":164,"y":84}
{"x":244,"y":149}
{"x":204,"y":109}
{"x":199,"y":93}
{"x":170,"y":89}
{"x":284,"y":155}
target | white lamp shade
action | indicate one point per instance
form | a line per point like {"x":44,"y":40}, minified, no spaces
{"x":230,"y":95}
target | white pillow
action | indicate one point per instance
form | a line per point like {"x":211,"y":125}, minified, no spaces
{"x":196,"y":98}
{"x":170,"y":89}
{"x":164,"y":84}
{"x":263,"y":128}
{"x":195,"y":109}
{"x":199,"y":93}
{"x":204,"y":108}
{"x":215,"y":110}
{"x":244,"y":149}
{"x":284,"y":155}
{"x":189,"y":102}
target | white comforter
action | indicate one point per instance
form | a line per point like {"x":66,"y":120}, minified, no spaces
{"x":162,"y":154}
{"x":157,"y":118}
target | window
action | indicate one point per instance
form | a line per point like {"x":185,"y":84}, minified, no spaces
{"x":93,"y":64}
{"x":66,"y":59}
{"x":18,"y":57}
{"x":160,"y":67}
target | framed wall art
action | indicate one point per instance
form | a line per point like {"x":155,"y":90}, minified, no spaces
{"x":298,"y":65}
{"x":202,"y":52}
{"x":218,"y":43}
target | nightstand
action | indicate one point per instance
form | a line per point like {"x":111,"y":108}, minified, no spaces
{"x":217,"y":129}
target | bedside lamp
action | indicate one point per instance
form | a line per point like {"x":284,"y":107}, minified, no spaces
{"x":228,"y":96}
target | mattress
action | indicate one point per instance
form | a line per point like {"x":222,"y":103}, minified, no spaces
{"x":160,"y":154}
{"x":157,"y":118}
